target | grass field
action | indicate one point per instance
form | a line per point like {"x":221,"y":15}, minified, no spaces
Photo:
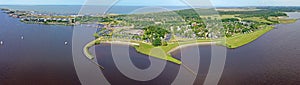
{"x":158,"y":52}
{"x":148,"y":49}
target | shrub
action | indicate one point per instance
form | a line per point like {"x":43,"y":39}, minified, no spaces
{"x":164,"y":43}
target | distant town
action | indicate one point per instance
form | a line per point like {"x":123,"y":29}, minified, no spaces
{"x":33,"y":17}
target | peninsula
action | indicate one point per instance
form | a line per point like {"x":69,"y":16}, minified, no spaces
{"x":167,"y":31}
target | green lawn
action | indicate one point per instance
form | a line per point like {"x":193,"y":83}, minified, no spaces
{"x":145,"y":48}
{"x":158,"y":52}
{"x":243,"y":39}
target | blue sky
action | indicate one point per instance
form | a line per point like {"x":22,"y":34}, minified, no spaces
{"x":158,"y":2}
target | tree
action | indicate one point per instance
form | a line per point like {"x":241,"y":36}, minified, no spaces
{"x":154,"y":34}
{"x":157,"y":42}
{"x":230,"y":20}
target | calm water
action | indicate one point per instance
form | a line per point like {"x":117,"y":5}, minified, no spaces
{"x":43,"y":59}
{"x":293,"y":15}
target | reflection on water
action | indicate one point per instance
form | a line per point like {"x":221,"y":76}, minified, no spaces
{"x":42,"y":58}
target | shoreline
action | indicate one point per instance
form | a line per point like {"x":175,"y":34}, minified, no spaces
{"x":167,"y":57}
{"x":244,"y":39}
{"x":230,"y":43}
{"x":191,"y":44}
{"x":121,"y":43}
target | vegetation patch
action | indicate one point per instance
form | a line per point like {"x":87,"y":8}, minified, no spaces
{"x":243,"y":39}
{"x":145,"y":48}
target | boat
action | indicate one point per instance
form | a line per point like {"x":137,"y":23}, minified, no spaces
{"x":66,"y":43}
{"x":22,"y":37}
{"x":1,"y":42}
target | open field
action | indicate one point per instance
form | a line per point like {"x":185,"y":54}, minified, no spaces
{"x":146,"y":49}
{"x":149,"y":50}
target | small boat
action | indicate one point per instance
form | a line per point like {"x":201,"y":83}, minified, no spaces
{"x":22,"y":37}
{"x":66,"y":43}
{"x":1,"y":42}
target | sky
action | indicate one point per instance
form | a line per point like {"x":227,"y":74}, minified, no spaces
{"x":157,"y":2}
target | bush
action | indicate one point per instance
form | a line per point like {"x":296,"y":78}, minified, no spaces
{"x":96,"y":35}
{"x":97,"y":42}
